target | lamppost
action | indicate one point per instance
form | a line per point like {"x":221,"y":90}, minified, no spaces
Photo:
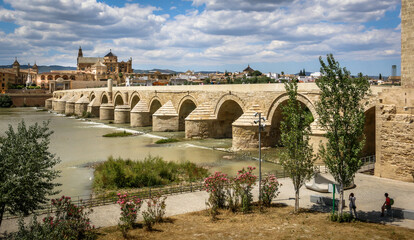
{"x":261,"y":127}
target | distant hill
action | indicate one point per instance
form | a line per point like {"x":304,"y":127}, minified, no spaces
{"x":42,"y":68}
{"x":54,"y":67}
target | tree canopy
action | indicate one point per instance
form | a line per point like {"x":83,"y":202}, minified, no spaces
{"x":26,"y":169}
{"x":297,"y":157}
{"x":341,"y":115}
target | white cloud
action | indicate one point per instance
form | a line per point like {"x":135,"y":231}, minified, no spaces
{"x":225,"y":32}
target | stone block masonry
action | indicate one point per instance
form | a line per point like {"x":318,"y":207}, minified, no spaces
{"x":407,"y":43}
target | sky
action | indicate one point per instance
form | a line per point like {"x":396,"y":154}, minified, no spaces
{"x":206,"y":35}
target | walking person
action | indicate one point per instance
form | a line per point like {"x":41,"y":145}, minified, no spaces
{"x":352,"y":205}
{"x":387,"y":204}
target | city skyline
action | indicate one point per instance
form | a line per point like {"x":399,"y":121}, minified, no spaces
{"x":202,"y":35}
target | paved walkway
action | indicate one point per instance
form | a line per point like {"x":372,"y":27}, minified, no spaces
{"x":369,"y":194}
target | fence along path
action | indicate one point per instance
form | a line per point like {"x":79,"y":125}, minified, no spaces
{"x":147,"y":192}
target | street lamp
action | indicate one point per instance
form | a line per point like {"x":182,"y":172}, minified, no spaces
{"x":261,"y":127}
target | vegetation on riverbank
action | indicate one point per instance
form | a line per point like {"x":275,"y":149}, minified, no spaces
{"x":152,"y":171}
{"x":5,"y":101}
{"x":166,"y":140}
{"x":118,"y":134}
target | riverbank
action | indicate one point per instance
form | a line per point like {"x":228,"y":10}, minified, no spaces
{"x":369,"y":194}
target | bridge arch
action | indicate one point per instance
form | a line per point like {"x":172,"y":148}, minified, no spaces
{"x":228,"y":97}
{"x":118,"y":99}
{"x":185,"y":107}
{"x":104,"y":98}
{"x":228,"y":111}
{"x":275,"y":117}
{"x":92,"y":96}
{"x":154,"y":105}
{"x":134,"y":99}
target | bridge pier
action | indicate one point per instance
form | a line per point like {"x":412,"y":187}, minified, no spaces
{"x":61,"y":104}
{"x":49,"y":103}
{"x":140,"y":114}
{"x":81,"y":106}
{"x":93,"y":107}
{"x":199,"y":129}
{"x":106,"y":111}
{"x":122,"y":114}
{"x":70,"y":106}
{"x":165,"y":119}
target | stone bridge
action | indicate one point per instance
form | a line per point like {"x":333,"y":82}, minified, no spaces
{"x":203,"y":111}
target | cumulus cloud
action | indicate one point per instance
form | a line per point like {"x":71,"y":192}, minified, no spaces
{"x":223,"y":32}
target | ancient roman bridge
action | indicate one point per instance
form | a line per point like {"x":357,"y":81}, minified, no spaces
{"x":203,"y":111}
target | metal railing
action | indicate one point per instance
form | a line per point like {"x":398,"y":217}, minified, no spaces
{"x":142,"y":193}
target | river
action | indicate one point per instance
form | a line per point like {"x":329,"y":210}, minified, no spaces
{"x":79,"y":142}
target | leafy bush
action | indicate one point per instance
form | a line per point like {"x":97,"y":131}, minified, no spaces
{"x":166,"y":140}
{"x":5,"y":101}
{"x":270,"y":187}
{"x":70,"y":222}
{"x":118,"y":134}
{"x":155,"y":211}
{"x":216,"y":185}
{"x":336,"y":217}
{"x":243,"y":185}
{"x":152,"y":171}
{"x":86,"y":114}
{"x":129,"y":211}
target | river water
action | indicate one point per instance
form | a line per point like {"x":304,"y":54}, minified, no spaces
{"x":79,"y":143}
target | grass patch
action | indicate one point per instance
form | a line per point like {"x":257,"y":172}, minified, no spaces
{"x":86,"y":114}
{"x":276,"y":222}
{"x":118,"y":134}
{"x":166,"y":140}
{"x":152,"y":171}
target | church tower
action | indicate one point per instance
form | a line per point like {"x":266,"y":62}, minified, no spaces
{"x":80,"y":54}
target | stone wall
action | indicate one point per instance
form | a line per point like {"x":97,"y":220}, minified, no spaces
{"x":29,"y":100}
{"x":395,"y":135}
{"x":407,"y":43}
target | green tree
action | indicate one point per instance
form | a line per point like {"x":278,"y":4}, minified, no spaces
{"x":380,"y":76}
{"x":256,"y":73}
{"x":282,"y":73}
{"x":341,"y":115}
{"x":26,"y":172}
{"x":297,"y":157}
{"x":5,"y":101}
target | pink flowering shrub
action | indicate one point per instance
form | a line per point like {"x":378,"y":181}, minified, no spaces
{"x":215,"y":185}
{"x":243,"y":185}
{"x":270,"y":187}
{"x":129,"y":211}
{"x":70,"y":221}
{"x":155,"y":211}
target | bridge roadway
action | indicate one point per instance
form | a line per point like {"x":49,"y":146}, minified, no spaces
{"x":203,"y":111}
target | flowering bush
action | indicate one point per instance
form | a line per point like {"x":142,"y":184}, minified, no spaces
{"x":70,"y":222}
{"x":129,"y":211}
{"x":270,"y":187}
{"x":215,"y":185}
{"x":155,"y":211}
{"x":243,"y":185}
